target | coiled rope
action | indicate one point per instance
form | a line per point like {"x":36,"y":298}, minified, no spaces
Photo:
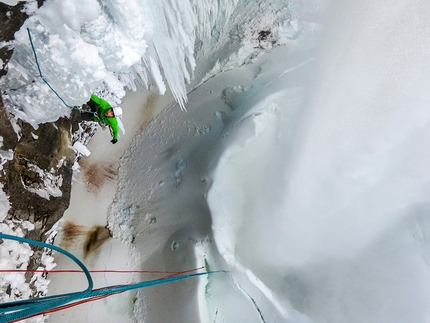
{"x":22,"y":309}
{"x":46,"y":82}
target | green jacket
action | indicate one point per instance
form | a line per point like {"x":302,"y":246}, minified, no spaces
{"x":102,"y":107}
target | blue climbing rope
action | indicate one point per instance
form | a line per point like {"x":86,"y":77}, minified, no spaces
{"x":26,"y":308}
{"x":46,"y":82}
{"x":18,"y":310}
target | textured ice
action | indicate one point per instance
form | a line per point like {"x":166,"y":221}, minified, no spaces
{"x":108,"y":46}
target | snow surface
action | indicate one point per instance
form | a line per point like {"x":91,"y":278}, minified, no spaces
{"x":81,"y":149}
{"x":302,"y":171}
{"x":4,"y":201}
{"x":13,"y":255}
{"x":50,"y":185}
{"x":93,"y":191}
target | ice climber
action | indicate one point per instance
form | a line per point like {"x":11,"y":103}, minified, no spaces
{"x":104,"y":114}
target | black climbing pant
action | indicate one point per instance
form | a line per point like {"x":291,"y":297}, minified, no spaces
{"x":89,"y":106}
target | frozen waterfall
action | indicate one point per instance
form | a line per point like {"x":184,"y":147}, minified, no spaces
{"x":300,"y":165}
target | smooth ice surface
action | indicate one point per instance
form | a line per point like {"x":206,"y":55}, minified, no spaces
{"x":340,"y":226}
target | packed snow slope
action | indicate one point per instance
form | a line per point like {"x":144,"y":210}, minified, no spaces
{"x":301,"y":162}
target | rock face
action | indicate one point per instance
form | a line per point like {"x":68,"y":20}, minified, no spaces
{"x":37,"y":152}
{"x":37,"y":179}
{"x":42,"y":160}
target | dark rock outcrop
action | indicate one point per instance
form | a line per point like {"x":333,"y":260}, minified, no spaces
{"x":46,"y":149}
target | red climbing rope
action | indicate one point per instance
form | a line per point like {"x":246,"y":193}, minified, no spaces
{"x":97,"y":271}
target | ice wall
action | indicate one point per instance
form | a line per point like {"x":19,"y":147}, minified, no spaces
{"x":326,"y":210}
{"x":357,"y":150}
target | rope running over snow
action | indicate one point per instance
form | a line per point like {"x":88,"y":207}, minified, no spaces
{"x":18,"y":310}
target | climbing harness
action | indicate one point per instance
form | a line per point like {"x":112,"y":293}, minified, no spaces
{"x":22,"y":309}
{"x":46,"y":82}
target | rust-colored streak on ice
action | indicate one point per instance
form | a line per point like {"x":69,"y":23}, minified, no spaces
{"x":71,"y":234}
{"x":96,"y":174}
{"x":95,"y":238}
{"x":78,"y":236}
